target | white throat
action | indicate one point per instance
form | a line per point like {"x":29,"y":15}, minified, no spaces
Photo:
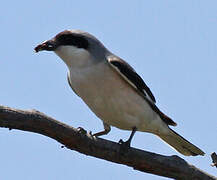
{"x":73,"y":57}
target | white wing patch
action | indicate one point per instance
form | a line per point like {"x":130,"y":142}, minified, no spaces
{"x":116,"y":68}
{"x":147,"y":96}
{"x":124,"y":70}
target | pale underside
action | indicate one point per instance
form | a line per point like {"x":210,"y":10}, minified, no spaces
{"x":114,"y":100}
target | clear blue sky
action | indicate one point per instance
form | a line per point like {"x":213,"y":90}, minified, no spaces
{"x":171,"y":44}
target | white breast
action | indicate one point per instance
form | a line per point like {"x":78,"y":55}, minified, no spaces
{"x":112,"y":99}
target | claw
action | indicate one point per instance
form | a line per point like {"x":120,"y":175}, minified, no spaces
{"x":90,"y":133}
{"x":125,"y":144}
{"x":81,"y":130}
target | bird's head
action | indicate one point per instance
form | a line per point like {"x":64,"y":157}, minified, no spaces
{"x":74,"y":47}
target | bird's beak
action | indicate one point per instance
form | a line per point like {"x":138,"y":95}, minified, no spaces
{"x":49,"y":45}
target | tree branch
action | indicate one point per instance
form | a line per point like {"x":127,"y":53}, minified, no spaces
{"x":79,"y":140}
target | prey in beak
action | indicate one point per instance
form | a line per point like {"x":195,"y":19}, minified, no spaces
{"x":49,"y":45}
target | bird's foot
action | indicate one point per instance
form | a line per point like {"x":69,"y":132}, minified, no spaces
{"x":124,"y":146}
{"x":90,"y":133}
{"x":124,"y":143}
{"x":81,"y":130}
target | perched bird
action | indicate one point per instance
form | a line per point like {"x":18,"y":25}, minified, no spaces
{"x":112,"y":89}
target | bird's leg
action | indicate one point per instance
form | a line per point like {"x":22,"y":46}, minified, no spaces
{"x":127,"y":143}
{"x":107,"y":129}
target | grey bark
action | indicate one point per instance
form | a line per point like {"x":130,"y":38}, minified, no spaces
{"x":83,"y":142}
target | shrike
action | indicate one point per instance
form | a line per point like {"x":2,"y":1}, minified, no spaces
{"x":112,"y":89}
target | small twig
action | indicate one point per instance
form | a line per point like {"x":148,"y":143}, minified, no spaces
{"x":214,"y":159}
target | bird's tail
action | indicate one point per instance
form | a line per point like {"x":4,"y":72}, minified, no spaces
{"x":181,"y":144}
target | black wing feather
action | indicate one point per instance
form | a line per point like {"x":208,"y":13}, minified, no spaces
{"x":130,"y":73}
{"x":135,"y":80}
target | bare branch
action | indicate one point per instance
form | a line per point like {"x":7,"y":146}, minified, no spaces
{"x":79,"y":140}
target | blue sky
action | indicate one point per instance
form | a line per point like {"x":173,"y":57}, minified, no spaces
{"x":171,"y":44}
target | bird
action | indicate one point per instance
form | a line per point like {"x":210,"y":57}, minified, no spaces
{"x":113,"y":90}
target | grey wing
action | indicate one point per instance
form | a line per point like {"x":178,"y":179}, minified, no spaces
{"x":129,"y":74}
{"x":68,"y":79}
